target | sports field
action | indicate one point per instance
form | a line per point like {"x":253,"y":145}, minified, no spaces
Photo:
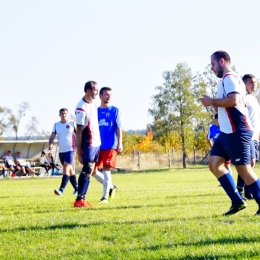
{"x":156,"y":214}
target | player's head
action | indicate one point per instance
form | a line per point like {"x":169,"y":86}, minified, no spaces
{"x":216,"y":119}
{"x":219,"y":61}
{"x":105,"y":95}
{"x":9,"y":153}
{"x":91,"y":89}
{"x":18,"y":154}
{"x":250,"y":82}
{"x":63,"y":114}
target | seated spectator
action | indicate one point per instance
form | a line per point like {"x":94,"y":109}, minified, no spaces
{"x":2,"y":167}
{"x":24,"y":166}
{"x":9,"y":161}
{"x":52,"y":163}
{"x":44,"y":163}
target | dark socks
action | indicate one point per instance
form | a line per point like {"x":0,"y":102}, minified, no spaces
{"x":65,"y":179}
{"x":240,"y":184}
{"x":73,"y":181}
{"x":229,"y":186}
{"x":254,"y":188}
{"x":83,"y":184}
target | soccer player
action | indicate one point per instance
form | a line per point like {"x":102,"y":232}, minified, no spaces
{"x":24,"y":167}
{"x":254,"y":115}
{"x":66,"y":133}
{"x":235,"y":135}
{"x":213,"y":134}
{"x":88,"y":140}
{"x":111,"y":141}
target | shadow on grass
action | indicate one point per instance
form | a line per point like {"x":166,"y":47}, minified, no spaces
{"x":100,"y":223}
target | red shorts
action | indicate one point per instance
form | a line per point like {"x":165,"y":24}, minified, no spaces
{"x":107,"y":158}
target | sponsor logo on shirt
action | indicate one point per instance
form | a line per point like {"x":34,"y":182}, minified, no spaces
{"x":103,"y":122}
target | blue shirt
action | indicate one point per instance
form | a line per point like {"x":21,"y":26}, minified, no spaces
{"x":213,"y":133}
{"x":109,"y":121}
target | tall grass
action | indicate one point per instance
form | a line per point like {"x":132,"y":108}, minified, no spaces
{"x":159,"y":214}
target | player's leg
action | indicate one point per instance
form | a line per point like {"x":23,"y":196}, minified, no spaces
{"x":217,"y":160}
{"x":65,"y":176}
{"x":90,"y":157}
{"x":97,"y":174}
{"x":73,"y":178}
{"x":254,"y":155}
{"x":252,"y":181}
{"x":108,"y":161}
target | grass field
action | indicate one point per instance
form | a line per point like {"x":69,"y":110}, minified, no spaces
{"x":157,"y":214}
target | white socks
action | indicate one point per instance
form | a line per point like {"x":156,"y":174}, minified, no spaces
{"x":106,"y":184}
{"x":99,"y":176}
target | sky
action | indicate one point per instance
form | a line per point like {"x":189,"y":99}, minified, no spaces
{"x":49,"y":49}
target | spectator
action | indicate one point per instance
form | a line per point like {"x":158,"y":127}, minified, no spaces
{"x":2,"y":167}
{"x":24,"y":166}
{"x":44,"y":163}
{"x":9,"y":161}
{"x":52,"y":163}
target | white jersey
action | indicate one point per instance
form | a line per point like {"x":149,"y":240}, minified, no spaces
{"x":86,"y":115}
{"x":9,"y":160}
{"x":254,"y":115}
{"x":22,"y":161}
{"x":233,"y":119}
{"x":66,"y":134}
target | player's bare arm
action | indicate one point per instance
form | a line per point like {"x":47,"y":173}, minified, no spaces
{"x":120,"y":142}
{"x":51,"y":140}
{"x":79,"y":142}
{"x":231,"y":100}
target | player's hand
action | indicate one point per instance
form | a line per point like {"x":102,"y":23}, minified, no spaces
{"x":119,"y":149}
{"x":206,"y":101}
{"x":50,"y":146}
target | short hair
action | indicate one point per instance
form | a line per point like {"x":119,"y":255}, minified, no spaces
{"x":104,"y":89}
{"x":216,"y":116}
{"x":89,"y":85}
{"x":63,"y":110}
{"x":221,"y":55}
{"x":248,"y":76}
{"x":8,"y":151}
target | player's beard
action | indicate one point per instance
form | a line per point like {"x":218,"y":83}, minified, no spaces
{"x":220,"y":72}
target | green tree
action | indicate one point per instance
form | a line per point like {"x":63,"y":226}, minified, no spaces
{"x":176,"y":106}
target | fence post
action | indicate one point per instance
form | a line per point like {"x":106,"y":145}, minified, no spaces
{"x":169,"y":158}
{"x":139,"y":161}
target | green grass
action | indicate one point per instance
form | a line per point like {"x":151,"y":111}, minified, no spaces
{"x":157,"y":214}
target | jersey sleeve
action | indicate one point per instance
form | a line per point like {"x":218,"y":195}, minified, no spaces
{"x":118,"y":120}
{"x":231,"y":84}
{"x":80,"y":116}
{"x":209,"y":133}
{"x":54,"y":129}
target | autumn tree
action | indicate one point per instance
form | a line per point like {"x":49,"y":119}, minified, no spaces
{"x":176,"y":106}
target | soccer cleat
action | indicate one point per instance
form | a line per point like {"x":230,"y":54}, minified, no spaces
{"x":103,"y":200}
{"x":58,"y":192}
{"x":112,"y":192}
{"x":258,"y":212}
{"x":75,"y":192}
{"x":82,"y":203}
{"x":13,"y":174}
{"x":235,"y":208}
